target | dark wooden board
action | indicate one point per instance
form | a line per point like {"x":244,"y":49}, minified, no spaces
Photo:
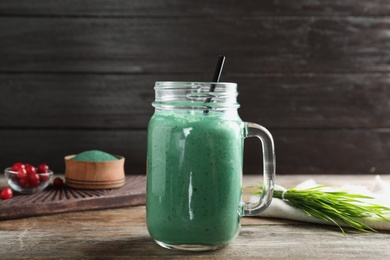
{"x":318,"y":101}
{"x":120,"y":8}
{"x":302,"y":151}
{"x":52,"y":200}
{"x":156,"y":45}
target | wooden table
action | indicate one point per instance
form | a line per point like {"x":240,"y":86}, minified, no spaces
{"x":122,"y":234}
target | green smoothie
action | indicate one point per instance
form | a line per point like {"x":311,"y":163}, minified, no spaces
{"x":194,"y":176}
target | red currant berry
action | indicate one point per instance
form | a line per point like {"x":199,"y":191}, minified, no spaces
{"x":44,"y":177}
{"x":43,"y":168}
{"x":22,"y":173}
{"x":17,"y":166}
{"x":33,"y":180}
{"x":30,"y":169}
{"x":23,"y":183}
{"x":58,"y":183}
{"x":6,"y":193}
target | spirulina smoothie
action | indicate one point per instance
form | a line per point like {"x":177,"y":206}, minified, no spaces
{"x":194,"y":176}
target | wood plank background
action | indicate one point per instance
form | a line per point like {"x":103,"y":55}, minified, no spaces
{"x":78,"y":75}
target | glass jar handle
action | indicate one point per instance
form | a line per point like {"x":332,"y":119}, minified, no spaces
{"x":255,"y":130}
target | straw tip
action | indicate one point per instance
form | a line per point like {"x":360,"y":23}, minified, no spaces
{"x":218,"y":69}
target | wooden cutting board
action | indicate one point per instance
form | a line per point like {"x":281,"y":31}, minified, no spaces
{"x":67,"y":199}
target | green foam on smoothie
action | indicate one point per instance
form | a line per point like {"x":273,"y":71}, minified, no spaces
{"x":94,"y":156}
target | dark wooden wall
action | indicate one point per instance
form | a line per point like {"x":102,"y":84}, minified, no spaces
{"x":79,"y":74}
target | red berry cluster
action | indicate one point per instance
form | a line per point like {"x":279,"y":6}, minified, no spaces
{"x":28,"y":176}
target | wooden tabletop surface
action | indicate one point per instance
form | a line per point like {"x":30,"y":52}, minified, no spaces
{"x":122,"y":234}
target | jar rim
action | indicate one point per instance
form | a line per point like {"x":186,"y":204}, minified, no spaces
{"x":187,"y":84}
{"x":195,"y":95}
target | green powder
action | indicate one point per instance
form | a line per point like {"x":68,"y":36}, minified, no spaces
{"x":94,"y":156}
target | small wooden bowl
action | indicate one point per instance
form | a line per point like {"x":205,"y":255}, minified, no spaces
{"x":94,"y":175}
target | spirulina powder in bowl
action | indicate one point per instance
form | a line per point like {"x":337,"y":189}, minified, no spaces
{"x":94,"y":156}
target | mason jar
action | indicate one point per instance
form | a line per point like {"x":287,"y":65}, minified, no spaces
{"x":194,"y":166}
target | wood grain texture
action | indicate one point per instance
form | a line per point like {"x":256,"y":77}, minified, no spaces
{"x":319,"y":101}
{"x":298,"y":151}
{"x":153,"y":45}
{"x":122,"y":233}
{"x":119,"y":8}
{"x":67,"y":199}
